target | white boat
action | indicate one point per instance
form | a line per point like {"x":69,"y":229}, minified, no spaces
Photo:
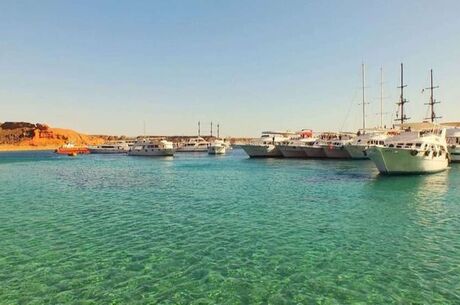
{"x":453,"y":143}
{"x":120,"y":147}
{"x":368,"y":137}
{"x":197,"y":144}
{"x":294,"y":147}
{"x":412,"y":152}
{"x":335,"y":147}
{"x":266,"y":145}
{"x":131,"y":143}
{"x":316,"y":150}
{"x":155,"y":147}
{"x":357,"y":147}
{"x":218,"y":147}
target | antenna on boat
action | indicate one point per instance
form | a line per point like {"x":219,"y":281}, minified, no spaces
{"x":211,"y":129}
{"x":199,"y":128}
{"x":218,"y":130}
{"x":381,"y":97}
{"x":364,"y":97}
{"x":432,"y":100}
{"x":402,"y":100}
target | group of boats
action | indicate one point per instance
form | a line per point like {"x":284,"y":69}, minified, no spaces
{"x":149,"y":147}
{"x":392,"y":150}
{"x":425,"y":147}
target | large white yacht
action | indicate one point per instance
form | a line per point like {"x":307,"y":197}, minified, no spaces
{"x":197,"y":144}
{"x":357,"y":147}
{"x":218,"y":147}
{"x":412,"y":152}
{"x":266,"y":145}
{"x":119,"y":147}
{"x":316,"y":149}
{"x":335,"y":147}
{"x":294,"y":147}
{"x":453,"y":144}
{"x":154,"y":147}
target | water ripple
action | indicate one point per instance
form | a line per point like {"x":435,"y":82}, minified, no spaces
{"x":199,"y":230}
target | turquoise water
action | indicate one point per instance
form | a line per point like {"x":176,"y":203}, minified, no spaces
{"x":224,"y":230}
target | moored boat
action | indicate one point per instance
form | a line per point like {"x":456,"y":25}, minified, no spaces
{"x":334,"y":148}
{"x":294,"y":147}
{"x":197,"y":144}
{"x":218,"y":147}
{"x":357,"y":147}
{"x":71,"y":149}
{"x":453,"y":143}
{"x":110,"y":148}
{"x":266,"y":145}
{"x":155,"y":147}
{"x":316,"y":150}
{"x":412,"y":152}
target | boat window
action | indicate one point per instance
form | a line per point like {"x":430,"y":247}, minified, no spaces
{"x":391,"y":145}
{"x":418,"y":145}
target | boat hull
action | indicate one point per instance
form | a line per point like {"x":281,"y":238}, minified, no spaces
{"x":152,"y":152}
{"x":314,"y":152}
{"x":216,"y":150}
{"x":357,"y":151}
{"x":291,"y":151}
{"x":192,"y":149}
{"x":335,"y":152}
{"x":71,"y":151}
{"x":406,"y":161}
{"x":107,"y":151}
{"x":262,"y":151}
{"x":454,"y":153}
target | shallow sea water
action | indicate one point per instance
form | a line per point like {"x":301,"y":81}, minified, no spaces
{"x":197,"y":229}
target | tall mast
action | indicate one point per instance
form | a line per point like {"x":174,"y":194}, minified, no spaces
{"x":211,"y":129}
{"x":402,"y":100}
{"x":381,"y":97}
{"x":199,"y":128}
{"x":218,"y":130}
{"x":364,"y":99}
{"x":432,"y":100}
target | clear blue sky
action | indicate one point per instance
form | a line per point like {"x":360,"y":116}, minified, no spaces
{"x":107,"y":66}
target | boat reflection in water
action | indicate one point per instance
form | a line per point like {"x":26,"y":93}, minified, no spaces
{"x":429,"y":189}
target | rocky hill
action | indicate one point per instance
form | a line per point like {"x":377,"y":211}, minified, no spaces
{"x":23,"y":135}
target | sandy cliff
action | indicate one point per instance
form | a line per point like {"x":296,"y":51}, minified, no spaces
{"x":23,"y":135}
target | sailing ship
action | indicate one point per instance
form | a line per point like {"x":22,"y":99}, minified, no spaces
{"x":423,"y":151}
